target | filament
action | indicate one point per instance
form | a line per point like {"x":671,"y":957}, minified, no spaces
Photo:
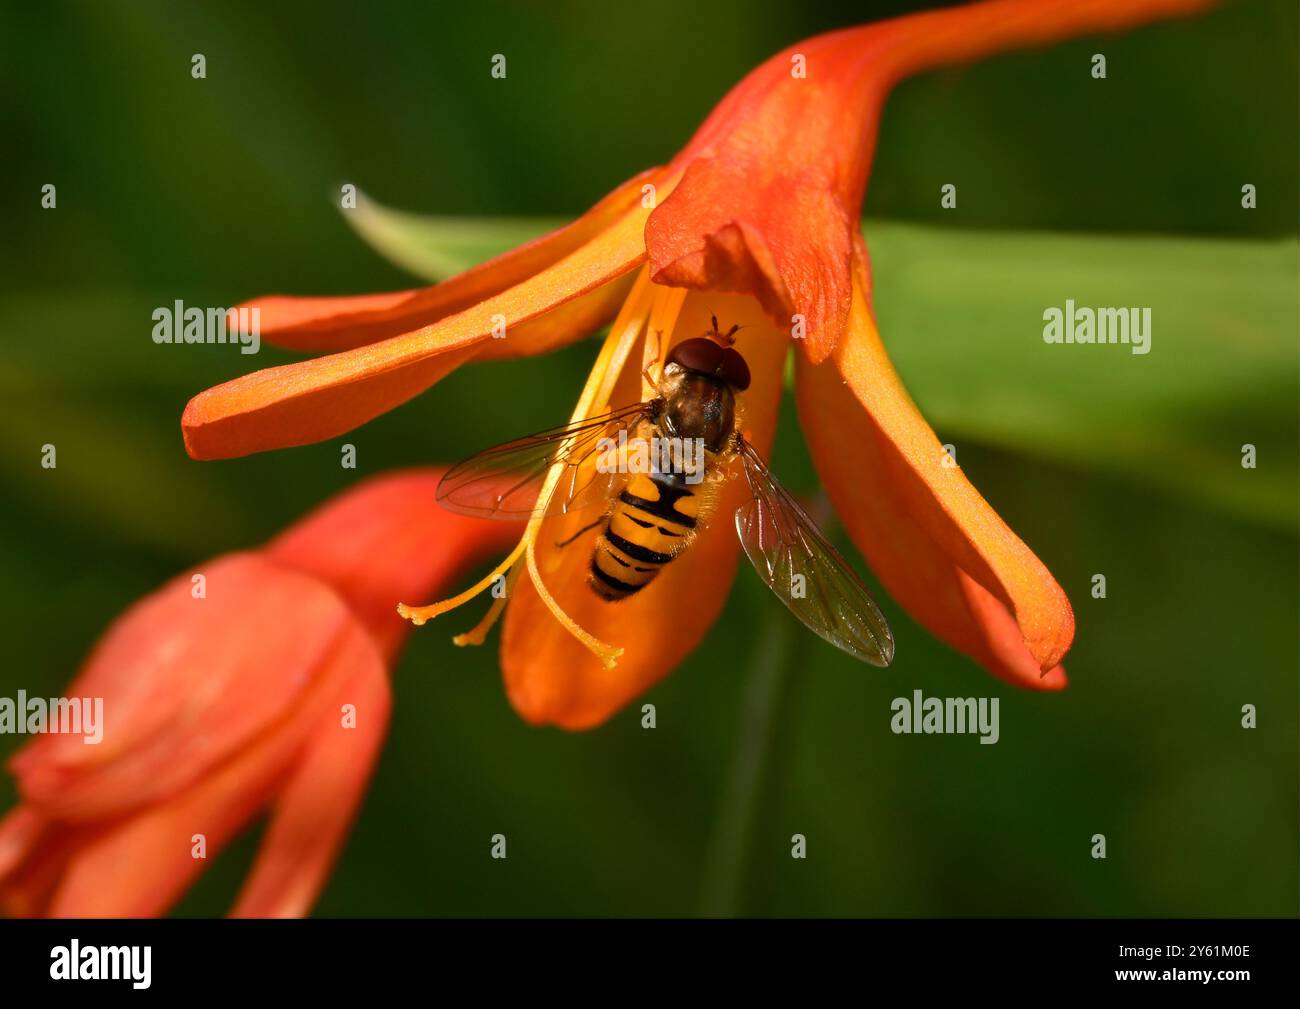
{"x":419,"y":614}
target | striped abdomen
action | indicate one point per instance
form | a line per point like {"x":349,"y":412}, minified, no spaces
{"x":650,"y":524}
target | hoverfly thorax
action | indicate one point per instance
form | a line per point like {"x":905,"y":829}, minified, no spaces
{"x":697,"y":406}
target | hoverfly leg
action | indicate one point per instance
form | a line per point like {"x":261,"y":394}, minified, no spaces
{"x":650,"y":379}
{"x":561,"y":544}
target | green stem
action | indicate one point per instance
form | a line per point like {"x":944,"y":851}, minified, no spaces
{"x":754,"y":754}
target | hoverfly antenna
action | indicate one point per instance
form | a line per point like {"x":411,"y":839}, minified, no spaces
{"x":729,"y":337}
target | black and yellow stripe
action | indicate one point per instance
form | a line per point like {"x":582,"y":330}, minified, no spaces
{"x":651,"y":522}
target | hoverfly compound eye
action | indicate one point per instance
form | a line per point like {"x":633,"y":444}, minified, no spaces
{"x":705,"y":357}
{"x":698,"y":354}
{"x":733,"y":370}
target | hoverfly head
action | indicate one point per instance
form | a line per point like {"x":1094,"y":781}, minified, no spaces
{"x":714,"y":355}
{"x":704,"y":356}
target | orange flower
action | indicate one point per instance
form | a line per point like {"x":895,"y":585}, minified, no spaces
{"x":763,"y":203}
{"x":224,"y":701}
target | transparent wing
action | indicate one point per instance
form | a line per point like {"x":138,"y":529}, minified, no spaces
{"x":809,"y":575}
{"x":504,"y":482}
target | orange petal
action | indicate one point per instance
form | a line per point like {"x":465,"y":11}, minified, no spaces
{"x":342,"y":323}
{"x":775,"y":177}
{"x":140,"y":867}
{"x":387,"y":540}
{"x":313,"y":400}
{"x":938,"y":547}
{"x":734,"y":225}
{"x":34,"y":851}
{"x":552,"y":678}
{"x":20,"y":831}
{"x":316,"y":806}
{"x":186,"y":682}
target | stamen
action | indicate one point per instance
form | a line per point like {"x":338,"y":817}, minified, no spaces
{"x":659,"y":333}
{"x":614,"y":355}
{"x":419,"y":614}
{"x":627,"y":328}
{"x":608,"y":654}
{"x":477,"y":634}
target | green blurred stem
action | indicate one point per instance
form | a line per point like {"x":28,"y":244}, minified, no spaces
{"x":755,"y":754}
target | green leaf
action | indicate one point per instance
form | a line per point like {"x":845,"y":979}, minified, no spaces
{"x":962,"y":315}
{"x":435,"y":248}
{"x":961,"y":312}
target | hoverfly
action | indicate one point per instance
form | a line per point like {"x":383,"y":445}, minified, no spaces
{"x":648,"y":515}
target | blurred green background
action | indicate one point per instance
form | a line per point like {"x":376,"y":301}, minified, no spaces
{"x":1123,"y":191}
